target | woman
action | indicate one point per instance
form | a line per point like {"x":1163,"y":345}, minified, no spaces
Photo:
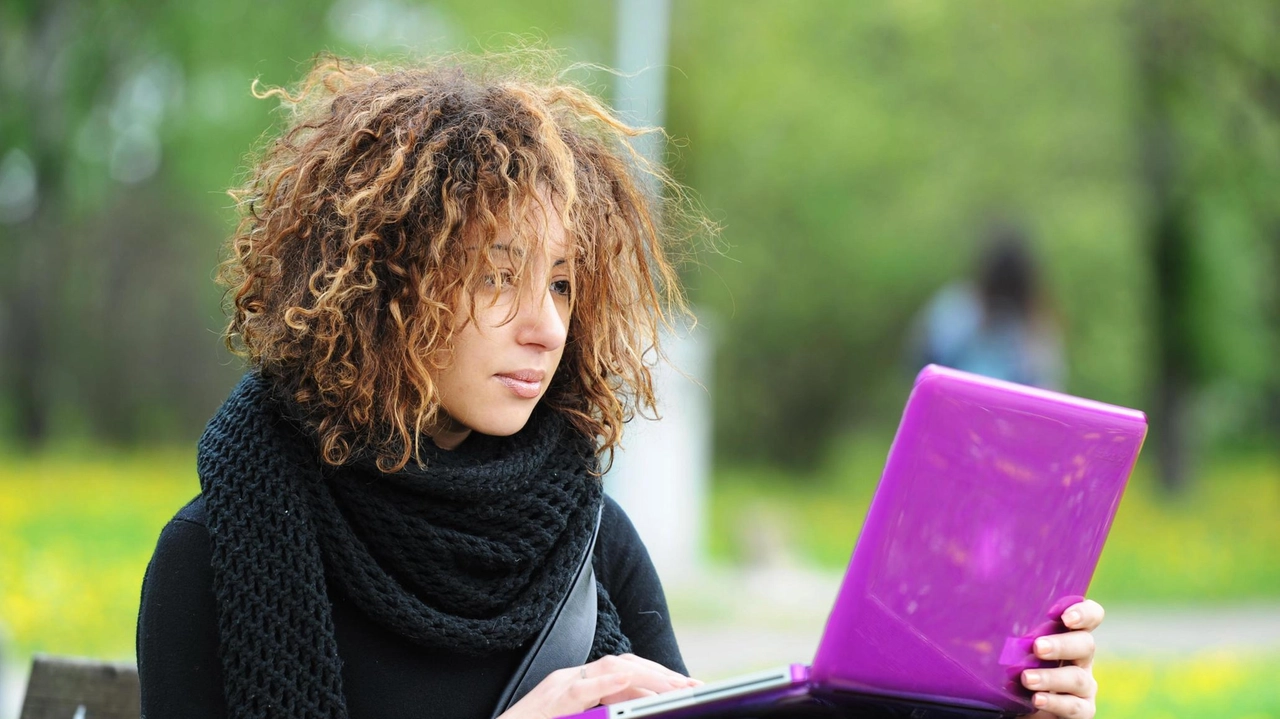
{"x":999,"y":324}
{"x":444,"y":283}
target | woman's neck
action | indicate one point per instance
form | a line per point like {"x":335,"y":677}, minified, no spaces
{"x":449,"y":433}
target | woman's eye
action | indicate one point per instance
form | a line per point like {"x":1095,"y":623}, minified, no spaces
{"x":561,"y":287}
{"x":502,"y":279}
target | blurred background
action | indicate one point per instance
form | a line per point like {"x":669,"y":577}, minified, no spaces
{"x":1101,"y":178}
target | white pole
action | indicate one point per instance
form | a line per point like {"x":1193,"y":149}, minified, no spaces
{"x":660,"y":477}
{"x":641,"y":92}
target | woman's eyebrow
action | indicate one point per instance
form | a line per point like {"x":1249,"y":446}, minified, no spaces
{"x":517,"y":252}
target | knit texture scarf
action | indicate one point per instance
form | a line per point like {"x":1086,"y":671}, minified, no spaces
{"x":470,"y":553}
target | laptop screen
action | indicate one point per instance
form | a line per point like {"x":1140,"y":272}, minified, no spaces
{"x":988,"y":521}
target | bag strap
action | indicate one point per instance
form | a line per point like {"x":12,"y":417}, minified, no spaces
{"x":566,"y":640}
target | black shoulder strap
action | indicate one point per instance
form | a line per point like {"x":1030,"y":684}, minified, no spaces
{"x":566,"y":640}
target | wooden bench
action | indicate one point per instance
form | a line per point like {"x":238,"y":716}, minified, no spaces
{"x":72,"y":688}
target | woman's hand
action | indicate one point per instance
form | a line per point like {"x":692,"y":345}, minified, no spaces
{"x":607,"y":680}
{"x":1067,"y":691}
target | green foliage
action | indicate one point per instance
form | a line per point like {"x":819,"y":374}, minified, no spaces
{"x":1214,"y":684}
{"x":76,"y":532}
{"x":853,"y":152}
{"x":77,"y":529}
{"x":1216,"y":543}
{"x":108,"y":315}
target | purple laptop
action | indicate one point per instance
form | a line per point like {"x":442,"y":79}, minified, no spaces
{"x":988,"y":521}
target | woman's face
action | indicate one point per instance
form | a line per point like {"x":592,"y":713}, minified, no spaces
{"x":501,"y":364}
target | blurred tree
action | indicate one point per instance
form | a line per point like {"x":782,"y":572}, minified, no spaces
{"x":1209,"y":127}
{"x":35,"y":117}
{"x":102,"y":323}
{"x":852,"y":150}
{"x":120,"y":126}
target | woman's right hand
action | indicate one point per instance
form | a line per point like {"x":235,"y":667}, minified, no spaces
{"x":607,"y":680}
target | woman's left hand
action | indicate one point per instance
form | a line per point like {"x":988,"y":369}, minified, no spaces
{"x":1068,"y":691}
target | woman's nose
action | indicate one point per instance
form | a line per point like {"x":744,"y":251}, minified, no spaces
{"x":541,"y":322}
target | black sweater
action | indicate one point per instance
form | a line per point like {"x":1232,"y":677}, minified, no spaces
{"x":384,"y":675}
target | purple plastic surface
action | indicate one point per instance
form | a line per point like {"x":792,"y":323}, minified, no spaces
{"x":593,"y":713}
{"x":990,"y":515}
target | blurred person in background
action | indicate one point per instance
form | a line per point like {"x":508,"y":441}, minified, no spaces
{"x":998,"y":324}
{"x":444,"y":281}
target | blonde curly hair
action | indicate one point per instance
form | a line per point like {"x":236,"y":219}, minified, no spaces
{"x":349,"y":270}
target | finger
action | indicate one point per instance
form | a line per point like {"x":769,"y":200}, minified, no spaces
{"x":1069,"y":646}
{"x":1066,"y":706}
{"x":643,"y":673}
{"x":641,"y":677}
{"x":627,"y":695}
{"x":1086,"y":615}
{"x":658,"y":683}
{"x":586,"y":693}
{"x":1063,"y":680}
{"x":656,"y":667}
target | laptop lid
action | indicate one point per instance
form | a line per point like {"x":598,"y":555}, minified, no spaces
{"x":988,"y":521}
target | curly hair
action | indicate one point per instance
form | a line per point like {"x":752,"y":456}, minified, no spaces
{"x":349,"y":270}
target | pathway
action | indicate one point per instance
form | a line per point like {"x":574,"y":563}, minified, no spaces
{"x":742,"y":621}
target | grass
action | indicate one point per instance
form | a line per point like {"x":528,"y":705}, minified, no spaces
{"x":76,"y":531}
{"x":1216,"y":543}
{"x":1222,"y":686}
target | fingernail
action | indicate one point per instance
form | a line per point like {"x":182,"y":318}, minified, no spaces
{"x":1043,"y":646}
{"x":1071,"y":618}
{"x":1031,"y":679}
{"x":1040,"y":700}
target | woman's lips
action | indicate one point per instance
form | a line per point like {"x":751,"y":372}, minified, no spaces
{"x":526,"y":385}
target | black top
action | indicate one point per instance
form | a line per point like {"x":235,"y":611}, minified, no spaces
{"x":384,"y":675}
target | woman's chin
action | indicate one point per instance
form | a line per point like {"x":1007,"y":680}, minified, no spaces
{"x":504,"y":424}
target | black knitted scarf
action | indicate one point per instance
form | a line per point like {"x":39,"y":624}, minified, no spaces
{"x":471,"y":553}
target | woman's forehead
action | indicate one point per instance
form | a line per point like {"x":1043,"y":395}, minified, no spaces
{"x":540,"y":230}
